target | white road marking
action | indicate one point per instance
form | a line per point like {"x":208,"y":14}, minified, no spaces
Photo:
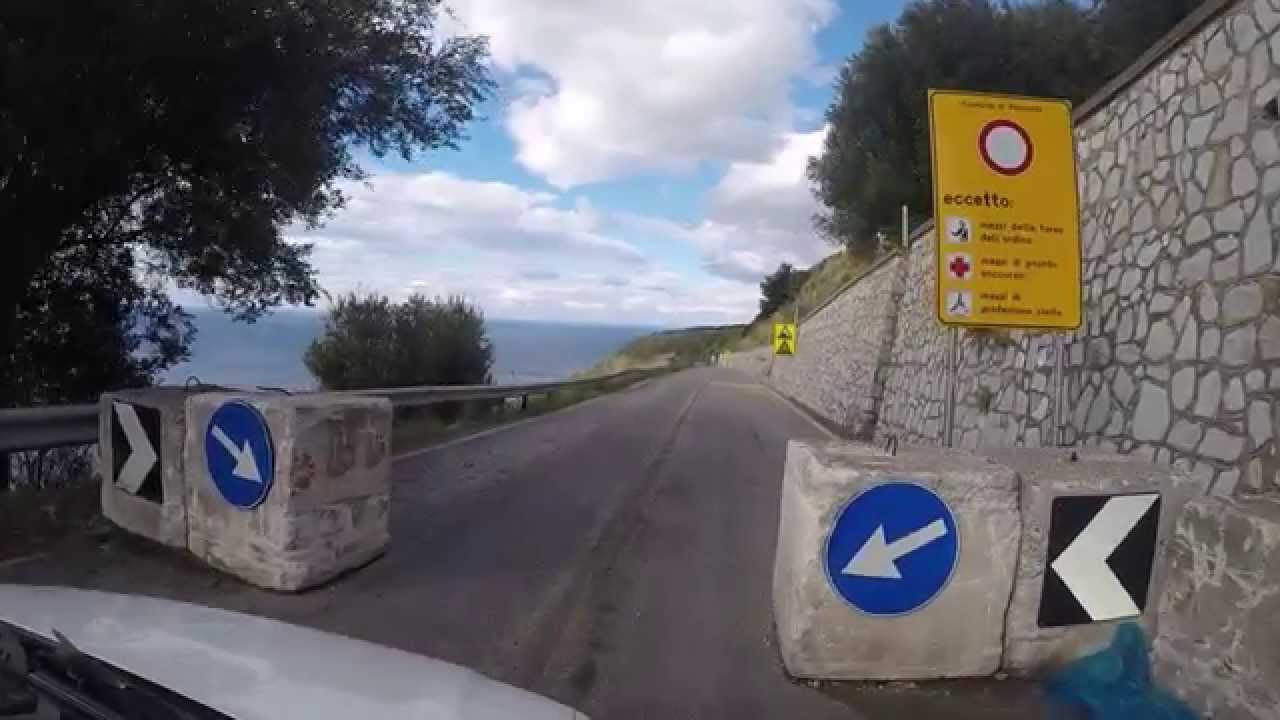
{"x":410,"y":454}
{"x":757,"y":387}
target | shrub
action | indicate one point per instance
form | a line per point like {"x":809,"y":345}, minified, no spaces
{"x":372,"y":342}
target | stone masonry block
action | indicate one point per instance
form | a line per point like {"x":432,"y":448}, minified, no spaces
{"x":959,"y":633}
{"x":1050,"y":473}
{"x":1218,"y":645}
{"x":158,"y":510}
{"x":327,"y":509}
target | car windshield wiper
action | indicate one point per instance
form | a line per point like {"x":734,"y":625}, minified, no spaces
{"x":35,"y":671}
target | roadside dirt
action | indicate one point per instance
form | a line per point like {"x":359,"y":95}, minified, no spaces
{"x":967,"y":699}
{"x":33,"y":521}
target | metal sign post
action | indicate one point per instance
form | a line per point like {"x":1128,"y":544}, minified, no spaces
{"x":1007,"y":221}
{"x":906,"y":231}
{"x":953,"y":369}
{"x":1059,"y":373}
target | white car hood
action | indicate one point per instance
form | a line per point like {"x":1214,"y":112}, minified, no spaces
{"x":254,"y":668}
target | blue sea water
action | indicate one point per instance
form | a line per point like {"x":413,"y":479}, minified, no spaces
{"x":269,"y":352}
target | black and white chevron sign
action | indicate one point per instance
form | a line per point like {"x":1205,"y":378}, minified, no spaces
{"x":1101,"y":550}
{"x":135,"y":449}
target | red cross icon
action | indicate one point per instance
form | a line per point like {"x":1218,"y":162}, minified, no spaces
{"x":960,"y":267}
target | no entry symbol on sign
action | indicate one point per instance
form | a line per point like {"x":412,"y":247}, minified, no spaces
{"x":1005,"y":147}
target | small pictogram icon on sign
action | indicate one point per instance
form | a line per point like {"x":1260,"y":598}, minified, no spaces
{"x":959,"y":229}
{"x":960,"y":303}
{"x":960,"y":265}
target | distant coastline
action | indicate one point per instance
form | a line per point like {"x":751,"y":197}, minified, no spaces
{"x":269,"y":352}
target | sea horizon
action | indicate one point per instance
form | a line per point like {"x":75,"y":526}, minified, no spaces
{"x":268,"y":353}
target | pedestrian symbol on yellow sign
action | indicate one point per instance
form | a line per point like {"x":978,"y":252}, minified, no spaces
{"x":784,"y":339}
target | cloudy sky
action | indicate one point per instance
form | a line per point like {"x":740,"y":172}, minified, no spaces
{"x":641,"y":163}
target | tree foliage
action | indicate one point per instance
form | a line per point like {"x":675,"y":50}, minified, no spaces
{"x":876,"y":156}
{"x":89,"y":323}
{"x":173,"y":141}
{"x":1129,"y":27}
{"x":372,"y":342}
{"x":779,"y":288}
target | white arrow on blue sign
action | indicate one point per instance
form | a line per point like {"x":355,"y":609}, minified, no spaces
{"x":239,"y":454}
{"x":892,"y":549}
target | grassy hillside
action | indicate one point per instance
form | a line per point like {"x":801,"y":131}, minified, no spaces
{"x":679,"y":348}
{"x":676,"y":348}
{"x":825,"y":279}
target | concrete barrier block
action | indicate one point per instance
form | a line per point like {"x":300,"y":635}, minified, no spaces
{"x":1048,"y":474}
{"x":327,"y":507}
{"x":1218,"y":645}
{"x":958,"y":632}
{"x":140,"y":453}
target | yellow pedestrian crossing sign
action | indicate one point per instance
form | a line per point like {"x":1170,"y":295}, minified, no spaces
{"x":784,"y":339}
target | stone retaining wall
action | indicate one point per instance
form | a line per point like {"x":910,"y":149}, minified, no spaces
{"x":854,"y":328}
{"x":1003,"y":386}
{"x":1178,"y":360}
{"x":1218,"y":640}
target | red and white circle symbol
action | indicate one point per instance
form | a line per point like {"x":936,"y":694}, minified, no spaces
{"x":1005,"y":147}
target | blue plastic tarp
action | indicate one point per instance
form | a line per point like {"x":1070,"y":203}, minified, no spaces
{"x":1115,"y":684}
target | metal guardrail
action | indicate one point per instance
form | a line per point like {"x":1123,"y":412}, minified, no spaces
{"x":48,"y":427}
{"x":407,"y":397}
{"x":66,"y":425}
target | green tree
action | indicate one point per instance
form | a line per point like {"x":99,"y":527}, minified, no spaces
{"x":779,"y":288}
{"x":175,"y":141}
{"x":876,"y":156}
{"x":372,"y":342}
{"x":89,"y":324}
{"x":1129,"y":27}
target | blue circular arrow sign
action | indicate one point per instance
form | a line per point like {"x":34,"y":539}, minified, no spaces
{"x":892,"y":549}
{"x":239,"y":454}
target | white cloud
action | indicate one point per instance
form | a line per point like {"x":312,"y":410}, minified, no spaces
{"x":604,"y":88}
{"x":516,"y":253}
{"x":581,"y":305}
{"x":760,"y":214}
{"x":777,"y":184}
{"x":433,"y":211}
{"x":653,"y":297}
{"x":598,"y":89}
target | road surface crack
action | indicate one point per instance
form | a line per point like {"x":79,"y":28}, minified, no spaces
{"x":560,"y":639}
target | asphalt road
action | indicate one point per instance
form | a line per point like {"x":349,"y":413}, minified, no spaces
{"x":615,"y":556}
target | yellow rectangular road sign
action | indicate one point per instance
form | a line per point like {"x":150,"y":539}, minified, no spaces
{"x":1006,"y":211}
{"x":784,"y":339}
